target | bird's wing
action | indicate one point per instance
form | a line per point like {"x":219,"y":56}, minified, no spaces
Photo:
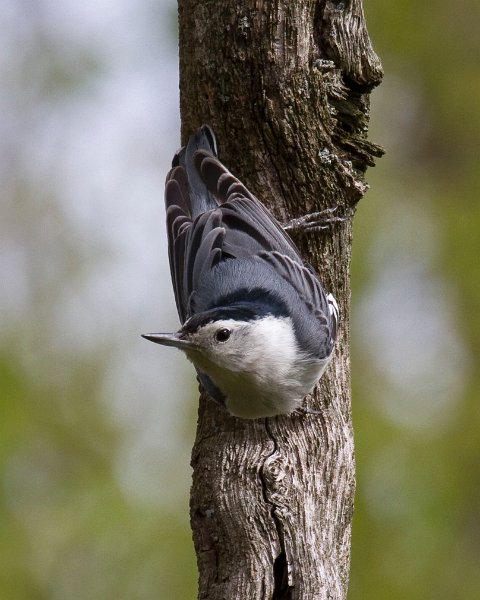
{"x":250,"y":228}
{"x":193,"y":247}
{"x":323,"y":307}
{"x":239,"y":227}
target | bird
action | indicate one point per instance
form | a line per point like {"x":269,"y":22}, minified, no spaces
{"x":256,"y":322}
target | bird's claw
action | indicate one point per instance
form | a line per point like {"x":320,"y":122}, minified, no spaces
{"x":313,"y":222}
{"x":304,"y":410}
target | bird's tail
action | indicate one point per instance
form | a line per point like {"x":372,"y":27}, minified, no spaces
{"x":200,"y":199}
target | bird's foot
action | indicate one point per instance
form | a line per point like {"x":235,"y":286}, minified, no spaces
{"x":312,"y":222}
{"x":304,"y":410}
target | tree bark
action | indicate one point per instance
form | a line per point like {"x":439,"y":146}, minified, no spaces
{"x":286,"y":86}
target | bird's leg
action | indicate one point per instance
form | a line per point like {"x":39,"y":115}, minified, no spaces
{"x":304,"y":410}
{"x":314,"y":221}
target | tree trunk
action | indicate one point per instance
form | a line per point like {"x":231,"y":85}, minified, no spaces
{"x":285,"y":85}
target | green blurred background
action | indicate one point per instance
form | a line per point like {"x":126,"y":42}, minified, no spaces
{"x":96,"y":425}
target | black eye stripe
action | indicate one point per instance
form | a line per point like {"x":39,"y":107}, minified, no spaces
{"x":222,"y":335}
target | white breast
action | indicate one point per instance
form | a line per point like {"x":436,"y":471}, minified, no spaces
{"x":267,"y":375}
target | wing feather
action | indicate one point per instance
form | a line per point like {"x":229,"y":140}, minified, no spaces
{"x":229,"y":191}
{"x":208,"y":254}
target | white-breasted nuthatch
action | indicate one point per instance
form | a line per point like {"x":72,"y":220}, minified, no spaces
{"x":256,"y":322}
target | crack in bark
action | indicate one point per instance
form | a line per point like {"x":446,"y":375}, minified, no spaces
{"x":282,"y":590}
{"x":317,"y":28}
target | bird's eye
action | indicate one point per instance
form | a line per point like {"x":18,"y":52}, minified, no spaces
{"x":222,"y":335}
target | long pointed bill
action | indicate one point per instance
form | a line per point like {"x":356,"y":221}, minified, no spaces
{"x":169,"y":339}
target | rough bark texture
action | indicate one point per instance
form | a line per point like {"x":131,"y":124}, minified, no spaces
{"x":286,"y":87}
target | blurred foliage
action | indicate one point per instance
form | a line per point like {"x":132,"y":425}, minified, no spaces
{"x":78,"y":519}
{"x":417,"y":520}
{"x":72,"y":524}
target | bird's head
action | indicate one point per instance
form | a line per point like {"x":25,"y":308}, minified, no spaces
{"x":255,"y":362}
{"x":234,"y":344}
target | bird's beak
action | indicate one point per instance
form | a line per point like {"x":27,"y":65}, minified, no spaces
{"x":169,"y":339}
